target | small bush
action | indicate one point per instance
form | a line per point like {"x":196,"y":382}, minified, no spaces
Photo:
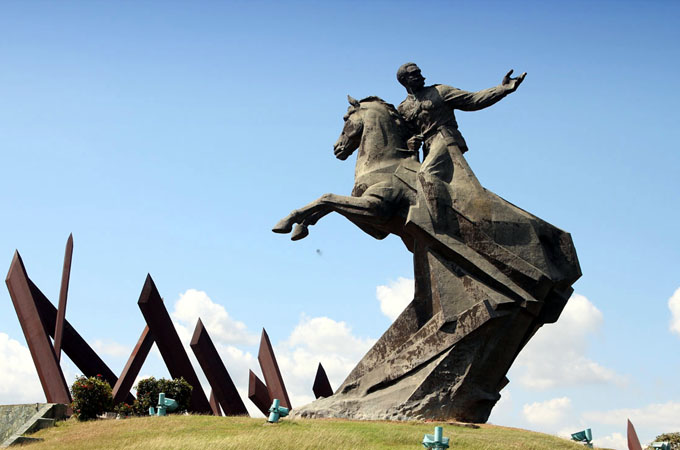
{"x":91,"y":397}
{"x":671,"y":438}
{"x":124,"y":409}
{"x":149,"y":388}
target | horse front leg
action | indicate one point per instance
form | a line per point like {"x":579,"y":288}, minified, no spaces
{"x":301,"y":230}
{"x":296,"y":216}
{"x":308,"y":215}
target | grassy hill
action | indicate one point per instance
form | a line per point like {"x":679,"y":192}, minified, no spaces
{"x":208,"y":432}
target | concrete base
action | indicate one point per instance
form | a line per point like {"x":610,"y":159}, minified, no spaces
{"x":18,"y":420}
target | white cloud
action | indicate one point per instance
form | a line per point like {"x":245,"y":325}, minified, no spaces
{"x":238,"y":362}
{"x":111,"y":348}
{"x":548,"y":413}
{"x":658,"y":416}
{"x":649,"y":421}
{"x":323,"y":335}
{"x":674,"y":306}
{"x":19,"y":381}
{"x":617,"y":441}
{"x":555,"y":356}
{"x":395,"y":297}
{"x":223,"y":329}
{"x":313,"y":341}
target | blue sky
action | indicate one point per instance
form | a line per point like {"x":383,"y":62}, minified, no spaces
{"x":170,"y":137}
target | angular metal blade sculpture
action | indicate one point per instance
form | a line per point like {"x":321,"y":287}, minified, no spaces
{"x":39,"y":344}
{"x":39,"y":320}
{"x":72,"y":343}
{"x":633,"y":441}
{"x":271,"y":372}
{"x":133,"y":366}
{"x":258,"y":393}
{"x":217,"y":411}
{"x":321,"y":386}
{"x":169,"y":344}
{"x":63,"y":294}
{"x":80,"y":353}
{"x":223,"y":388}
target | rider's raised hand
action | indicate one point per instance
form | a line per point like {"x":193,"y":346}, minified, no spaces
{"x":513,"y":83}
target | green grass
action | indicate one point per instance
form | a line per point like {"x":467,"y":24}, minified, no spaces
{"x":208,"y":432}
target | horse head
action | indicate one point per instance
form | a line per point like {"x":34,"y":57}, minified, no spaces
{"x":377,"y":129}
{"x":350,"y":138}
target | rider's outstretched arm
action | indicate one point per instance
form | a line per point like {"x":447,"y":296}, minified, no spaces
{"x":472,"y":101}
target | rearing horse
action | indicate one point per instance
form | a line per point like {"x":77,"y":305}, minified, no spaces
{"x":377,"y":130}
{"x":485,"y":281}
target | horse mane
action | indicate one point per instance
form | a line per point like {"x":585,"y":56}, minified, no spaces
{"x":375,"y":98}
{"x":393,"y":112}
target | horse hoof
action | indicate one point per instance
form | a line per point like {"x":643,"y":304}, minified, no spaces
{"x":300,"y":232}
{"x":284,"y":226}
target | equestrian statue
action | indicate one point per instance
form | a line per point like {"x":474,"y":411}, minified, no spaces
{"x":487,"y":273}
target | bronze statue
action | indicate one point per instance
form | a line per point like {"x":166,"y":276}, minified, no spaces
{"x":487,"y":273}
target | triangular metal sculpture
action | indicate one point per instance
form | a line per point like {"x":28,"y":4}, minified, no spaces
{"x":133,"y":366}
{"x":63,"y":294}
{"x":40,"y":320}
{"x":321,"y":386}
{"x":633,"y":441}
{"x":38,"y":339}
{"x":217,"y":411}
{"x":271,"y":372}
{"x":258,"y":393}
{"x":75,"y":347}
{"x":223,"y":388}
{"x":169,"y":344}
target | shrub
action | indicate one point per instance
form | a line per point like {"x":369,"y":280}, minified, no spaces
{"x":91,"y":397}
{"x":671,"y":438}
{"x":123,"y":409}
{"x":149,"y":388}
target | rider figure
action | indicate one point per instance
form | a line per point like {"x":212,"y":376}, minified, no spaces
{"x":428,"y":110}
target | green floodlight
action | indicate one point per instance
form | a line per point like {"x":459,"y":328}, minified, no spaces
{"x":276,"y":411}
{"x":585,"y":436}
{"x":662,"y":445}
{"x":436,"y":440}
{"x":165,"y":405}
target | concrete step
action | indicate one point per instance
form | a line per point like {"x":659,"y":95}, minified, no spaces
{"x":44,"y":417}
{"x":41,"y":423}
{"x":19,"y":440}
